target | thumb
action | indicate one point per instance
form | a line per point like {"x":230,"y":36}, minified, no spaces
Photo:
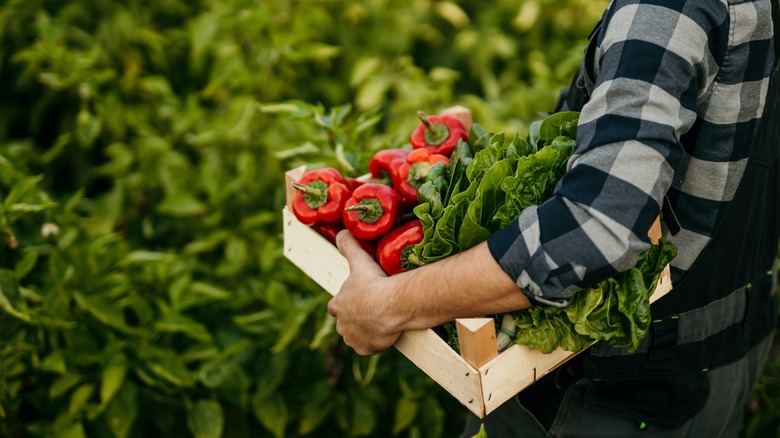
{"x":357,"y":257}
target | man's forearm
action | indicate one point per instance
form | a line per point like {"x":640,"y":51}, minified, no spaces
{"x":469,"y":284}
{"x":372,"y":309}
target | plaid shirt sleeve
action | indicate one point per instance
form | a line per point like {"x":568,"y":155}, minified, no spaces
{"x":653,"y":60}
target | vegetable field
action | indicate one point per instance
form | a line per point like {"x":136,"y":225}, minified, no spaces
{"x":143,"y":144}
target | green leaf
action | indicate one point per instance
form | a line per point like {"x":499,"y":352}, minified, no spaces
{"x":280,"y":108}
{"x":272,"y":413}
{"x":112,"y":381}
{"x":324,"y":333}
{"x":318,"y":51}
{"x":317,"y":406}
{"x":482,"y":433}
{"x":176,"y":323}
{"x":122,"y":411}
{"x":27,"y":187}
{"x":307,"y":148}
{"x":25,"y":265}
{"x":452,"y":13}
{"x":208,"y":290}
{"x":213,"y":374}
{"x":181,"y":205}
{"x":167,"y":365}
{"x":54,"y":363}
{"x":9,"y":295}
{"x":363,"y":418}
{"x":556,"y":125}
{"x":236,"y":256}
{"x":88,"y":128}
{"x":373,"y":92}
{"x":533,"y":135}
{"x":208,"y":243}
{"x":406,"y":410}
{"x":229,"y":381}
{"x":202,"y":31}
{"x":476,"y":226}
{"x":205,"y":419}
{"x":432,"y":418}
{"x":271,"y":375}
{"x":141,"y":257}
{"x":258,"y":323}
{"x":294,"y":322}
{"x":75,"y":430}
{"x":62,"y":384}
{"x":196,"y":293}
{"x":79,"y":398}
{"x":30,"y":208}
{"x":103,"y":310}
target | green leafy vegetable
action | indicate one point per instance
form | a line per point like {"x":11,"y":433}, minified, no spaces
{"x":499,"y":182}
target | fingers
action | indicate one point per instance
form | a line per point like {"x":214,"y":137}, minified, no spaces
{"x":356,"y":302}
{"x":365,"y":344}
{"x":348,"y":246}
{"x":359,"y":260}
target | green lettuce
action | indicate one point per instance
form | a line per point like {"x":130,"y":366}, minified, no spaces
{"x":488,"y":185}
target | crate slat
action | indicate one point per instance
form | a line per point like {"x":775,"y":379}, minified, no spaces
{"x":477,"y":340}
{"x":441,"y":363}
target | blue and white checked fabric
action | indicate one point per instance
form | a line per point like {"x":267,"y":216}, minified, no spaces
{"x":680,"y":86}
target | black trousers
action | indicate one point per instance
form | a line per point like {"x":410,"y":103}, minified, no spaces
{"x":721,"y":416}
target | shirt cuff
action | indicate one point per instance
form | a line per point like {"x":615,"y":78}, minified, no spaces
{"x":518,"y":250}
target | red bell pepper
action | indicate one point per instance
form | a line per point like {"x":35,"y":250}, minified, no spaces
{"x":395,"y":250}
{"x":414,"y":172}
{"x":372,"y":210}
{"x":439,"y":134}
{"x":352,"y":183}
{"x":330,"y":230}
{"x":321,"y":196}
{"x":386,"y":162}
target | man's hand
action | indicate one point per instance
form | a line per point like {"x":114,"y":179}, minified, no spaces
{"x":372,"y":309}
{"x":362,"y":306}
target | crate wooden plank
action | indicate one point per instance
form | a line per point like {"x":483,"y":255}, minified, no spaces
{"x":664,"y":285}
{"x":477,"y":340}
{"x":461,"y":113}
{"x":442,"y":364}
{"x":291,"y":176}
{"x":513,"y":370}
{"x":313,"y":254}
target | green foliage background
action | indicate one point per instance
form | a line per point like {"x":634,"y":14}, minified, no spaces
{"x":143,"y":290}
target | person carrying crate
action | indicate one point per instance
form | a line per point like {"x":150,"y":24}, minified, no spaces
{"x":679,"y":117}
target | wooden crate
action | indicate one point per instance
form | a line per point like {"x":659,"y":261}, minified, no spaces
{"x":481,"y":378}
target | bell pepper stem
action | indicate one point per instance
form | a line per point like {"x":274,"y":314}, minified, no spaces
{"x":306,"y":189}
{"x":412,"y":258}
{"x":428,"y":125}
{"x":360,"y":207}
{"x":409,"y":259}
{"x":368,"y":210}
{"x":419,"y":171}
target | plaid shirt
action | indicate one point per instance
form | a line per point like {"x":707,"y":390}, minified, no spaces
{"x":680,"y":88}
